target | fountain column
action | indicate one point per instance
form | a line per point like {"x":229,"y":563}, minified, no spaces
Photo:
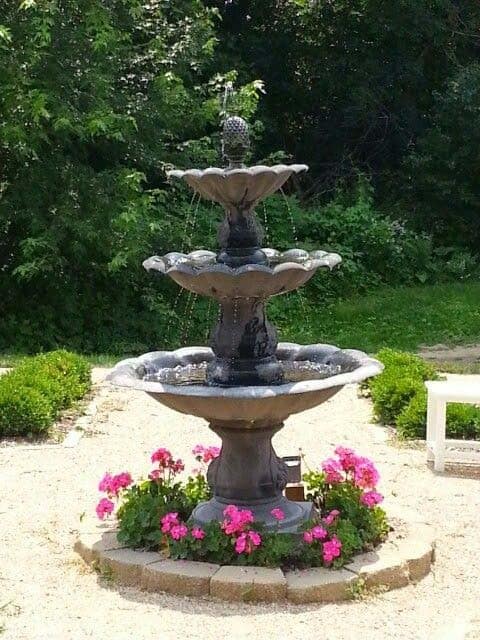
{"x":244,"y":343}
{"x":249,"y":474}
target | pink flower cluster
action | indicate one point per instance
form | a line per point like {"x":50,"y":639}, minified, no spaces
{"x":111,"y":485}
{"x":166,"y":462}
{"x":172,"y":527}
{"x":371,"y":498}
{"x":348,"y":466}
{"x":205,"y":454}
{"x":331,"y":550}
{"x":330,"y":546}
{"x":236,"y":524}
{"x":315,"y":533}
{"x":104,"y":508}
{"x":278,"y":514}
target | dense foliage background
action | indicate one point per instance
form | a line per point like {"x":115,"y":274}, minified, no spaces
{"x":98,"y":97}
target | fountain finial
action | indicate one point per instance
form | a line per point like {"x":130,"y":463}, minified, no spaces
{"x":236,"y":141}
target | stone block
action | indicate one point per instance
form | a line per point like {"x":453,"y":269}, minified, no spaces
{"x":126,"y":565}
{"x":319,"y":585}
{"x":248,"y":584}
{"x":418,"y":555}
{"x":90,"y":545}
{"x":182,"y":577}
{"x":382,"y":567}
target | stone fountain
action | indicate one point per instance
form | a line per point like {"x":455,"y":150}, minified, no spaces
{"x":246,"y":383}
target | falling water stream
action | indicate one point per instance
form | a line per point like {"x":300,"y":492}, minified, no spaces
{"x":188,"y":317}
{"x":299,"y":292}
{"x":173,"y":318}
{"x":265,"y":226}
{"x":190,"y":222}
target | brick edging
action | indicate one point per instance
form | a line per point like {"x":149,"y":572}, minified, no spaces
{"x":394,"y":564}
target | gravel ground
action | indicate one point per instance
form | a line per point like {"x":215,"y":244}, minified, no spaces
{"x":47,"y":593}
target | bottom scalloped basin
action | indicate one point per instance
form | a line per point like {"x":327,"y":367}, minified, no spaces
{"x":313,"y":374}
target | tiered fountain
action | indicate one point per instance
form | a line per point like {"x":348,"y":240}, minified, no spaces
{"x":245,"y":384}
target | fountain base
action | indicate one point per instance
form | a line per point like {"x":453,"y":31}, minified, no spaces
{"x":249,"y":474}
{"x":296,"y":513}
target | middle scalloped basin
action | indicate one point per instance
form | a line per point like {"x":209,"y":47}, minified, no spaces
{"x":177,"y":379}
{"x":200,"y":272}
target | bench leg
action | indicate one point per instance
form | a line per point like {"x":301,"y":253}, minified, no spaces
{"x":440,"y":434}
{"x":431,"y":422}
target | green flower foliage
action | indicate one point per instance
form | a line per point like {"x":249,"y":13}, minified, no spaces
{"x":33,"y":394}
{"x":144,"y":504}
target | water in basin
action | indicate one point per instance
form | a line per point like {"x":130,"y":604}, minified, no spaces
{"x":194,"y":374}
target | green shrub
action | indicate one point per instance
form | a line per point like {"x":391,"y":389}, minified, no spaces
{"x":32,"y":395}
{"x":463,"y":421}
{"x":23,"y":410}
{"x":402,"y":379}
{"x":400,"y":398}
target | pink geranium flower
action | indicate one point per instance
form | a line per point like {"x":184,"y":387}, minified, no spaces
{"x":371,"y":498}
{"x":331,"y":550}
{"x":120,"y":481}
{"x":197,"y":533}
{"x":366,"y":475}
{"x":348,"y":458}
{"x":319,"y":533}
{"x":308,"y":537}
{"x":331,"y":517}
{"x":333,"y":471}
{"x":277,"y":514}
{"x":162,"y":456}
{"x":178,"y":531}
{"x":247,"y":542}
{"x":104,"y":508}
{"x":205,"y":454}
{"x":168,"y":521}
{"x":165,"y":461}
{"x":105,"y":483}
{"x":236,"y":519}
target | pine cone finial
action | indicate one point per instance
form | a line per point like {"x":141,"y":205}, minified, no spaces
{"x":236,"y":140}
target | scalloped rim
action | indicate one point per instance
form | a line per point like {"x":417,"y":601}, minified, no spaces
{"x":276,"y":169}
{"x":367,"y":367}
{"x":190,"y":263}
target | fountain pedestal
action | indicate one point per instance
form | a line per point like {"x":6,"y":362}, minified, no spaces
{"x":249,"y":474}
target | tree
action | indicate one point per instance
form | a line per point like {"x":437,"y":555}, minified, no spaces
{"x":96,"y":98}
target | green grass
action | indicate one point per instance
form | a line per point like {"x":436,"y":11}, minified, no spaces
{"x":400,"y":318}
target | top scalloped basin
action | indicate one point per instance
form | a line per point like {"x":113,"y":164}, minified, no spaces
{"x":321,"y":371}
{"x":238,"y":187}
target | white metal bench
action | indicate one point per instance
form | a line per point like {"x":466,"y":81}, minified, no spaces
{"x":439,"y":393}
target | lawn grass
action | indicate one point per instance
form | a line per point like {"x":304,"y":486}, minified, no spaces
{"x":401,"y":318}
{"x":404,"y":318}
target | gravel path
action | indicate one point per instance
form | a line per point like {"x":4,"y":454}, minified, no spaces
{"x":47,"y":593}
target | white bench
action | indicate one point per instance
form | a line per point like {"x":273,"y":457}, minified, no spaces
{"x":439,"y":393}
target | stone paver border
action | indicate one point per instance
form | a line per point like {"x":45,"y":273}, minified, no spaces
{"x":404,"y":559}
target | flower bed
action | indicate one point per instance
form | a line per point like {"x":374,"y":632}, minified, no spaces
{"x":155,"y":514}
